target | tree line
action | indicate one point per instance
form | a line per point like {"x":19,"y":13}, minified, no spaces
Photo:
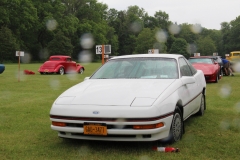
{"x":42,"y":28}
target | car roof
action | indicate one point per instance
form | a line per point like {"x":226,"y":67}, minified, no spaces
{"x":162,"y":55}
{"x":60,"y":56}
{"x":202,"y":57}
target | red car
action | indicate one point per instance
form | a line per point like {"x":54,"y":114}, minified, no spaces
{"x":208,"y":65}
{"x":60,"y":64}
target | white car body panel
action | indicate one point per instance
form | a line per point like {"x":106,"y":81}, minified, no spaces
{"x":102,"y":100}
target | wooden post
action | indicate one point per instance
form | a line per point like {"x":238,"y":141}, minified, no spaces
{"x":103,"y":54}
{"x":18,"y":66}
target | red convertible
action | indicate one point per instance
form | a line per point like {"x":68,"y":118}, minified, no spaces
{"x":60,"y":64}
{"x":208,"y":65}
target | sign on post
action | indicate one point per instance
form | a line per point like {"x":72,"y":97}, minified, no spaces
{"x":103,"y":49}
{"x":196,"y":54}
{"x":107,"y":49}
{"x":19,"y":54}
{"x":153,"y":51}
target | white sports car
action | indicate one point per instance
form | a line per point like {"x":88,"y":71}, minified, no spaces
{"x":142,"y":97}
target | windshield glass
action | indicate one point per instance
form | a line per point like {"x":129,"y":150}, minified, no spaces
{"x":138,"y":68}
{"x":201,"y":60}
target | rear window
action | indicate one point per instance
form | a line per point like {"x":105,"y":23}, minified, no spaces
{"x":55,"y":59}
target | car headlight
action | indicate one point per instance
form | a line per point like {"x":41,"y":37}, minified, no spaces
{"x":143,"y":102}
{"x":64,"y":100}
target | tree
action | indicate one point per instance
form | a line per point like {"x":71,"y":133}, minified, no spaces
{"x":162,"y":20}
{"x":235,"y":34}
{"x":144,"y":41}
{"x":60,"y":45}
{"x":8,"y":45}
{"x":180,"y":47}
{"x":206,"y":46}
{"x":187,"y":34}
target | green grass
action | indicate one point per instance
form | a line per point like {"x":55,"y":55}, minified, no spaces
{"x":25,"y":131}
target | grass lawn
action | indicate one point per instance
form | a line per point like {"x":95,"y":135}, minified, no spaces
{"x":25,"y":131}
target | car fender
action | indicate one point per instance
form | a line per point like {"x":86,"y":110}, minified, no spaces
{"x":79,"y":67}
{"x":58,"y":67}
{"x":167,"y":102}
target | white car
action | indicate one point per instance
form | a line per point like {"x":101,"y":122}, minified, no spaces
{"x":143,"y":97}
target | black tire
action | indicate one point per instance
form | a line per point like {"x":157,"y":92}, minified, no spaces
{"x":202,"y":106}
{"x":61,"y":71}
{"x":81,"y":70}
{"x":176,"y":130}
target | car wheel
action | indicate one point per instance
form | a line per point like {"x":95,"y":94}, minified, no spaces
{"x":81,"y":70}
{"x":202,"y":106}
{"x":61,"y":71}
{"x":176,"y":130}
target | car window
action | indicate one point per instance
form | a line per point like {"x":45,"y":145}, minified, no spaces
{"x":184,"y":68}
{"x":138,"y":68}
{"x":193,"y":70}
{"x":201,"y":60}
{"x":55,"y":59}
{"x":68,"y":59}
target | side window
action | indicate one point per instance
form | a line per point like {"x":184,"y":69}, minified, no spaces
{"x":193,"y":70}
{"x":184,"y":68}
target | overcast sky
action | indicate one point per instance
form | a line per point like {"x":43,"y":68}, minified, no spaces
{"x":209,"y":13}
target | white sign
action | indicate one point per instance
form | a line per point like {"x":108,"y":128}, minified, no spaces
{"x":19,"y":53}
{"x":107,"y":49}
{"x":196,"y":54}
{"x":153,"y":51}
{"x":215,"y":54}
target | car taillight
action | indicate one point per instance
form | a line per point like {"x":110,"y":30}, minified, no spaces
{"x":150,"y":126}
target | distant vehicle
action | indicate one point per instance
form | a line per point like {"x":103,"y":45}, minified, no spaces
{"x":208,"y":65}
{"x":233,"y":56}
{"x":219,"y":60}
{"x":2,"y":68}
{"x":143,"y":97}
{"x":60,"y":64}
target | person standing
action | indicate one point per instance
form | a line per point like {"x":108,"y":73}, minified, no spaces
{"x":227,"y":68}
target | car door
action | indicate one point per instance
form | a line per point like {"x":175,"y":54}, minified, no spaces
{"x":189,"y":92}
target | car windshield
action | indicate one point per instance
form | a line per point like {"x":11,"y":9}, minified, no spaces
{"x":138,"y":68}
{"x":201,"y":60}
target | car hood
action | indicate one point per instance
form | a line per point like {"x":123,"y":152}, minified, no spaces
{"x":115,"y":92}
{"x":206,"y":68}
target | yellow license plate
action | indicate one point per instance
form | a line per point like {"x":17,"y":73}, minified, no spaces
{"x":95,"y":129}
{"x":46,"y":70}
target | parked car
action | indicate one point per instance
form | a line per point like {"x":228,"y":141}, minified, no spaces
{"x":144,"y":97}
{"x":219,"y":61}
{"x":60,"y":64}
{"x":233,"y":56}
{"x":208,"y":65}
{"x":2,"y":68}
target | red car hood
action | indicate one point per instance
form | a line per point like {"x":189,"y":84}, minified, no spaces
{"x":206,"y":68}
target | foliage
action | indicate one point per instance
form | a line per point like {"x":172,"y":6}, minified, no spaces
{"x":60,"y":45}
{"x":180,"y":47}
{"x":35,"y":23}
{"x":144,"y":41}
{"x":8,"y":45}
{"x":206,"y":46}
